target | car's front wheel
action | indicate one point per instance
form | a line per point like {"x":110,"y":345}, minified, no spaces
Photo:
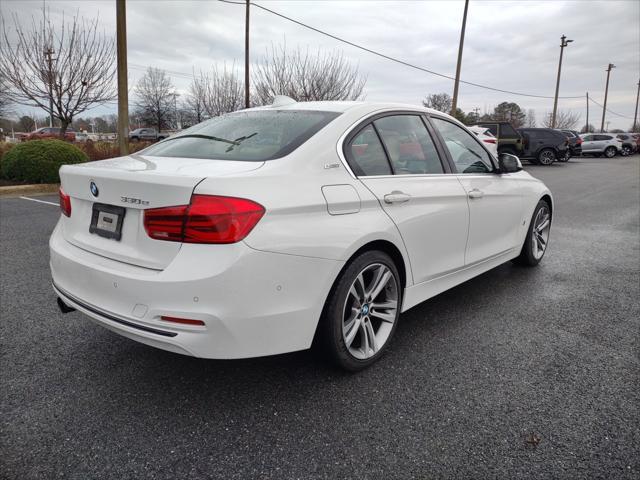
{"x":546,"y":156}
{"x":610,"y":152}
{"x":537,"y":240}
{"x":361,"y":313}
{"x":626,"y":150}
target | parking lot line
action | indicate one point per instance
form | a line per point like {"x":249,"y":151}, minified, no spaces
{"x":40,"y":201}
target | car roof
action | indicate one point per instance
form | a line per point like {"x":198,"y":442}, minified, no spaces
{"x":344,"y":106}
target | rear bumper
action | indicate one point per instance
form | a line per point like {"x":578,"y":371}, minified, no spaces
{"x":252,"y":303}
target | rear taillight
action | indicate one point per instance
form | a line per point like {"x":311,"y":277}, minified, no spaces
{"x":579,"y":141}
{"x":65,"y":202}
{"x":490,"y":140}
{"x":207,"y":219}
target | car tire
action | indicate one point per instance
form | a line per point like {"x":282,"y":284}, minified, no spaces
{"x":351,"y":335}
{"x":610,"y":152}
{"x":626,"y":150}
{"x":546,"y":156}
{"x":537,"y":239}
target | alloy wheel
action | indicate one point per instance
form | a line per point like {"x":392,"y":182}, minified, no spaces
{"x":547,"y":157}
{"x":370,"y":311}
{"x":610,"y":152}
{"x":540,"y":232}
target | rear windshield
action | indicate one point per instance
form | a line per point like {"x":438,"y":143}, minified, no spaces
{"x":246,"y":136}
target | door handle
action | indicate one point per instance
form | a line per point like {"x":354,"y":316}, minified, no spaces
{"x":475,"y":193}
{"x":396,"y":197}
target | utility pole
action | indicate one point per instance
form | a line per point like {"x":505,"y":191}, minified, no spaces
{"x":563,"y":43}
{"x":50,"y":79}
{"x":606,"y":92}
{"x":246,"y":55}
{"x":586,"y":128}
{"x":454,"y":103}
{"x":123,"y":93}
{"x":635,"y":115}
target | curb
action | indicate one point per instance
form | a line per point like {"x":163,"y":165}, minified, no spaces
{"x":38,"y":189}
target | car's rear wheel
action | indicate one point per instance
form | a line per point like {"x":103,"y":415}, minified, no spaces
{"x":610,"y":152}
{"x":546,"y":156}
{"x":537,"y":240}
{"x":361,"y":313}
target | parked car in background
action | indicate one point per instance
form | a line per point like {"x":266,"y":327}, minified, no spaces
{"x":575,"y":142}
{"x":486,"y":137}
{"x":509,"y":140}
{"x":598,"y":144}
{"x":51,"y":133}
{"x":629,"y":143}
{"x":226,"y":245}
{"x":147,"y":135}
{"x":545,"y":145}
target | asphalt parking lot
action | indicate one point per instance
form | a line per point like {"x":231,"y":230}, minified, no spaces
{"x":518,"y":373}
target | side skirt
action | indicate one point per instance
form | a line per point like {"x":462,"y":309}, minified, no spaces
{"x":423,"y":291}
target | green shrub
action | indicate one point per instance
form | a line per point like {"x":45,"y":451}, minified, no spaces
{"x":38,"y":161}
{"x":104,"y":150}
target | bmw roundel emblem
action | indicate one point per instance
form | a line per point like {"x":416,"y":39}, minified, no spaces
{"x":94,"y":189}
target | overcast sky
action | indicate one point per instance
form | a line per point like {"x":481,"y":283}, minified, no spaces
{"x":511,"y":45}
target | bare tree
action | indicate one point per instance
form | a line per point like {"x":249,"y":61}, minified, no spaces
{"x":155,"y":98}
{"x":5,"y":100}
{"x":439,"y":101}
{"x":530,"y":121}
{"x":305,"y":77}
{"x":194,"y":101}
{"x":564,"y":119}
{"x":588,"y":129}
{"x":215,"y":93}
{"x":64,"y":70}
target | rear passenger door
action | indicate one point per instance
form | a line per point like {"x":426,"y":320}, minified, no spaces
{"x":395,"y":156}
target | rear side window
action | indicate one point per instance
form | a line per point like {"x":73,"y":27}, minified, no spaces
{"x":465,"y":150}
{"x":603,"y":137}
{"x":493,"y":128}
{"x":409,"y":145}
{"x":507,"y":131}
{"x":257,"y":135}
{"x":366,"y":154}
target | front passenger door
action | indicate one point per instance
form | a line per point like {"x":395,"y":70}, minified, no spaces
{"x":495,"y":201}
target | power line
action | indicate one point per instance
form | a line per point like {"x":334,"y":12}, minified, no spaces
{"x":610,"y":111}
{"x":387,"y":57}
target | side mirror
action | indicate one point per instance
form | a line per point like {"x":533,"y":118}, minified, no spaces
{"x":509,"y":163}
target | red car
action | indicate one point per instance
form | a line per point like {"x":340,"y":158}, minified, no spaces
{"x":51,"y":133}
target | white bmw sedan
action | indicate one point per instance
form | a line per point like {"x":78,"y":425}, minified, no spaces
{"x":262,"y":231}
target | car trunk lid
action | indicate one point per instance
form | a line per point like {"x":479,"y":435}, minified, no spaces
{"x":132,"y":184}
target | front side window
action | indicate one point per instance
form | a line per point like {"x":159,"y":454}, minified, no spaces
{"x":409,"y":145}
{"x":366,"y":154}
{"x":256,"y":135}
{"x":466,"y":152}
{"x":588,"y":138}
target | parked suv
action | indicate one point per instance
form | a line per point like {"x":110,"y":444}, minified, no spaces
{"x":629,"y":143}
{"x":146,"y":134}
{"x":575,"y":142}
{"x":509,"y":140}
{"x":52,"y":133}
{"x":544,"y":145}
{"x":598,"y":144}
